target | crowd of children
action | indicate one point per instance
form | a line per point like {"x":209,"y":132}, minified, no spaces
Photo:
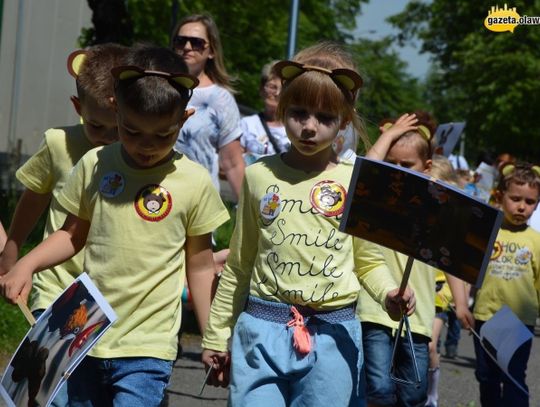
{"x":297,"y":317}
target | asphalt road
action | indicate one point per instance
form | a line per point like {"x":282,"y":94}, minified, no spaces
{"x":458,"y":386}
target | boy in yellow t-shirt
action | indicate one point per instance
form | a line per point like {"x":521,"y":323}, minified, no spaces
{"x":46,"y":172}
{"x":145,"y":214}
{"x":512,"y":279}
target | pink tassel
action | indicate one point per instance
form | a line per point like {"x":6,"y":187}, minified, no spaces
{"x":301,"y":338}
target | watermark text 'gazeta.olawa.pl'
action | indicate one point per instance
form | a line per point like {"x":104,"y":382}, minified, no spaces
{"x":507,"y":19}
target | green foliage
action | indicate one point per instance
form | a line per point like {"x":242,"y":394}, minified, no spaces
{"x":252,"y":33}
{"x":491,"y":80}
{"x":389,"y":91}
{"x":222,"y":236}
{"x":13,"y":327}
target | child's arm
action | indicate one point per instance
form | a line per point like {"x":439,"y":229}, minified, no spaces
{"x":405,"y":123}
{"x":3,"y":238}
{"x":57,"y":248}
{"x":460,"y":295}
{"x":29,"y":208}
{"x":200,"y":273}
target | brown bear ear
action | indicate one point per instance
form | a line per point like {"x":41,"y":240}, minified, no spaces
{"x":75,"y":61}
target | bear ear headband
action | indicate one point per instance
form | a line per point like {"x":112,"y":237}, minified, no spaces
{"x":346,"y":78}
{"x":75,"y":61}
{"x":423,"y":130}
{"x":509,"y":168}
{"x":133,"y":72}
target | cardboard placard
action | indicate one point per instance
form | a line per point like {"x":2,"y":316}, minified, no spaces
{"x":447,"y":136}
{"x":56,"y":344}
{"x":418,"y":216}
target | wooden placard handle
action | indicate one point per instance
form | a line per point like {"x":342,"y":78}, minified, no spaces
{"x":26,"y":311}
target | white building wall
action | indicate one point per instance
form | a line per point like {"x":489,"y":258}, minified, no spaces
{"x":37,"y":36}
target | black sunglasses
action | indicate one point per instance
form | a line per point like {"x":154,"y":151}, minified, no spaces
{"x":197,"y":44}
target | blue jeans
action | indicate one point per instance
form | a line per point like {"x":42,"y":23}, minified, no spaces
{"x":453,"y":332}
{"x":119,"y":382}
{"x":268,"y":371}
{"x":495,"y":387}
{"x":378,"y":343}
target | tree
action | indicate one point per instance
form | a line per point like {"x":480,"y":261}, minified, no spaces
{"x":388,"y":91}
{"x":491,"y":80}
{"x":254,"y":33}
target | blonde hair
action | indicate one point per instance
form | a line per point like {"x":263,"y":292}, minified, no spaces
{"x":441,"y":168}
{"x":317,"y":90}
{"x":215,"y":67}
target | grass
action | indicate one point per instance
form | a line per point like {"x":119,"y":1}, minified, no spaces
{"x":13,"y":327}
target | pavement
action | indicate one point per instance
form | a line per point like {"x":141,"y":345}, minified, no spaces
{"x":458,"y":386}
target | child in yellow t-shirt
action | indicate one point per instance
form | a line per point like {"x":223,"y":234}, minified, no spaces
{"x":404,"y":142}
{"x":144,"y":214}
{"x":46,"y":172}
{"x":513,"y":279}
{"x":291,"y":281}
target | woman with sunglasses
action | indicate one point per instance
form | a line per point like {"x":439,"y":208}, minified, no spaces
{"x":212,"y":136}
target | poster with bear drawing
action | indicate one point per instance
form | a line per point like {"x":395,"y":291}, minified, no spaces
{"x":421,"y":217}
{"x":56,"y":344}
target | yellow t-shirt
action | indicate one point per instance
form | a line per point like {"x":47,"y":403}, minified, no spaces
{"x":286,"y":247}
{"x":46,"y":172}
{"x":512,"y":277}
{"x":443,"y":297}
{"x":421,"y":280}
{"x":139,"y":221}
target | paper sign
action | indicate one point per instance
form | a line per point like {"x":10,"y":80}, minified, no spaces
{"x":447,"y":136}
{"x":420,"y":217}
{"x":56,"y":344}
{"x":506,"y":333}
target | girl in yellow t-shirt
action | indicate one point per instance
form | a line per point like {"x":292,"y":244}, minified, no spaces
{"x":291,"y":280}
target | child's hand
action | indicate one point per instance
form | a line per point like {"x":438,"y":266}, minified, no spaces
{"x":221,"y":367}
{"x":465,"y":317}
{"x":405,"y":123}
{"x":18,"y":282}
{"x":220,"y":258}
{"x":397,"y":305}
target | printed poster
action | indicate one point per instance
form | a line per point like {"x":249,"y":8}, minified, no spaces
{"x":447,"y":136}
{"x":56,"y":344}
{"x":421,"y":217}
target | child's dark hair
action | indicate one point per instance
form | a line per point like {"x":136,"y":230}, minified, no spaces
{"x":94,"y":77}
{"x":520,"y":174}
{"x":153,"y":94}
